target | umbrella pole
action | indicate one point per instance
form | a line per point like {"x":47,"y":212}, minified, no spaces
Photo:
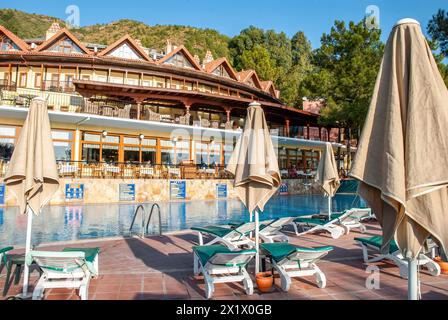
{"x":329,"y":207}
{"x":26,"y":269}
{"x":412,"y":279}
{"x":257,"y":242}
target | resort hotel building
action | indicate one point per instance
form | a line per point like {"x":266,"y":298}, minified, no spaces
{"x":131,"y":123}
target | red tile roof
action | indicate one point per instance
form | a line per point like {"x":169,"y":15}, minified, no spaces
{"x":19,"y":42}
{"x":211,"y":66}
{"x":60,"y":34}
{"x":185,"y":52}
{"x":245,"y":75}
{"x":127,"y":38}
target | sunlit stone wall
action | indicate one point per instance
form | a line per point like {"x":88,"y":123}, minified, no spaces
{"x":107,"y":190}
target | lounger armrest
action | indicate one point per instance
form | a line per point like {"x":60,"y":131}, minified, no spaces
{"x":7,"y":249}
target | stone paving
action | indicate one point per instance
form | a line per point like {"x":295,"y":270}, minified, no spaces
{"x":161,"y":268}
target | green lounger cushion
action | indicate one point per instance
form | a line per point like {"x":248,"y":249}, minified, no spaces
{"x":214,"y":230}
{"x":319,"y":222}
{"x":377,"y":241}
{"x":4,"y":250}
{"x":280,"y":250}
{"x":205,"y":253}
{"x":90,"y":253}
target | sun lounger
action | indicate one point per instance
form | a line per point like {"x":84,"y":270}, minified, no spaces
{"x":351,"y":219}
{"x":232,"y":237}
{"x":394,"y":255}
{"x":70,"y":268}
{"x":271,"y":232}
{"x":3,"y":253}
{"x":219,"y":264}
{"x":339,"y":224}
{"x":304,"y":226}
{"x":291,"y":261}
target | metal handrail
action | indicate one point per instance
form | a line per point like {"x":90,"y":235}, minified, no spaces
{"x":145,"y":230}
{"x":140,"y":207}
{"x":155,"y":205}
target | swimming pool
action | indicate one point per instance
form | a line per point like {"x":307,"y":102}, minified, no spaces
{"x":83,"y":222}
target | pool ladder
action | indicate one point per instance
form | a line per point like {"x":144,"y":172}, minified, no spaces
{"x":145,"y":229}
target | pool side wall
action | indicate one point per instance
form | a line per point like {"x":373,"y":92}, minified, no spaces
{"x":108,"y":190}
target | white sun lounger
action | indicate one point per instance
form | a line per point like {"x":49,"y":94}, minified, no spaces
{"x":291,"y":261}
{"x":219,"y":264}
{"x":232,"y":237}
{"x":339,"y":224}
{"x":394,"y":255}
{"x":71,"y":268}
{"x":271,"y":232}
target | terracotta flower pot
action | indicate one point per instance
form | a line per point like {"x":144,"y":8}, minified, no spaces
{"x":265,"y":281}
{"x":443,"y":265}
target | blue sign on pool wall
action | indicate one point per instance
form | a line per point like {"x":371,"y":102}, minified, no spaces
{"x":284,"y":189}
{"x":127,"y":192}
{"x":178,"y":190}
{"x":221,"y":191}
{"x":74,"y":191}
{"x":2,"y":194}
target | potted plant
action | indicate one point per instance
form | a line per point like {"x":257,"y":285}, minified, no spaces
{"x":265,"y":281}
{"x":442,"y":261}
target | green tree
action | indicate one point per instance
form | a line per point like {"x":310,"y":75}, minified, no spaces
{"x":289,"y":59}
{"x":346,"y":67}
{"x":438,"y":29}
{"x":259,"y":60}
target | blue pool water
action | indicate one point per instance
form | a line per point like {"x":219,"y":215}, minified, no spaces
{"x":101,"y":221}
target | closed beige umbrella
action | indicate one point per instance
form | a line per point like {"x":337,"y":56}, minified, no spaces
{"x":32,"y":174}
{"x":402,"y":157}
{"x":327,"y":174}
{"x":255,"y":166}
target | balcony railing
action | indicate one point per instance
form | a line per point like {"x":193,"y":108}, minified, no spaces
{"x":189,"y":171}
{"x":58,"y":86}
{"x":5,"y":85}
{"x":61,"y":96}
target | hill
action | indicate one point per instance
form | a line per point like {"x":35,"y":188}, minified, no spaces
{"x":27,"y":26}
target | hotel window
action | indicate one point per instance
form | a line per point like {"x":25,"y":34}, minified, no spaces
{"x":283,"y":158}
{"x":85,"y":77}
{"x":38,"y":80}
{"x":6,"y":44}
{"x":143,"y":151}
{"x":96,"y":148}
{"x":65,"y":45}
{"x":228,"y":150}
{"x":208,"y":153}
{"x":54,"y":81}
{"x":221,"y":71}
{"x":173,"y":153}
{"x":8,"y":137}
{"x":63,"y":144}
{"x":126,"y":52}
{"x":179,"y":60}
{"x":23,"y":79}
{"x":294,"y":158}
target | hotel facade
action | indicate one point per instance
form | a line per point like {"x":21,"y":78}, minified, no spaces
{"x":130,"y":122}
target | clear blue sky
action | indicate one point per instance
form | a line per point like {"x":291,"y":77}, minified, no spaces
{"x":314,"y":17}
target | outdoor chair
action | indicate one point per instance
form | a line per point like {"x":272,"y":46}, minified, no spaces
{"x":394,"y":255}
{"x":232,"y":237}
{"x":71,"y":268}
{"x":354,"y":220}
{"x":291,"y":261}
{"x":338,"y":225}
{"x":219,"y":264}
{"x":125,"y":112}
{"x":271,"y":232}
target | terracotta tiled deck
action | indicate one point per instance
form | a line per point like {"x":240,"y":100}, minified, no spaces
{"x":161,"y":268}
